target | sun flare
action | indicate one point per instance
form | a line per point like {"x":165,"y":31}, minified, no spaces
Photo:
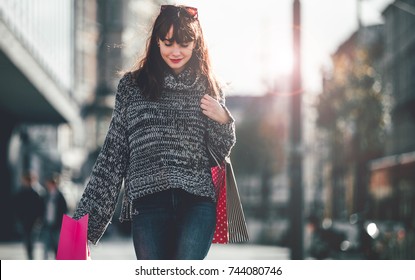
{"x":284,"y":62}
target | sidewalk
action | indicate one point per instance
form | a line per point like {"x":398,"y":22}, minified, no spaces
{"x":122,"y":249}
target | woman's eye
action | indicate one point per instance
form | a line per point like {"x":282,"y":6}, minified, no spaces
{"x":184,"y":45}
{"x":168,"y":44}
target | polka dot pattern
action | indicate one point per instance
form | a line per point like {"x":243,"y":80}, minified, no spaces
{"x":221,"y":232}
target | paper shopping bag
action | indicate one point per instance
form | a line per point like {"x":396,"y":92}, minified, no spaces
{"x":73,"y":243}
{"x":237,"y":227}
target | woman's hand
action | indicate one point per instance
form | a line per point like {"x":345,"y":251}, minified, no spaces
{"x":212,"y":109}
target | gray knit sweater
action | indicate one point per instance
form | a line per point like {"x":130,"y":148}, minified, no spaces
{"x":153,"y":146}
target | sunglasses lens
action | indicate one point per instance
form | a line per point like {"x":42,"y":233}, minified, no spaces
{"x":192,"y":12}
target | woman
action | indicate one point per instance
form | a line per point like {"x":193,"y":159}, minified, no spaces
{"x":167,"y":110}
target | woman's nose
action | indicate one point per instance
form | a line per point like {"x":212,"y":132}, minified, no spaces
{"x":176,"y":49}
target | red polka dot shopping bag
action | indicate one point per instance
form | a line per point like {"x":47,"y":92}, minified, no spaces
{"x":230,"y":220}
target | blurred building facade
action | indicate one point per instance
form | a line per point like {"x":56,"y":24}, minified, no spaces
{"x":392,"y":180}
{"x":368,"y":180}
{"x":36,"y":58}
{"x":392,"y":183}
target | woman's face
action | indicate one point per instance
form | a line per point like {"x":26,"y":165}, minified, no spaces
{"x":175,"y":55}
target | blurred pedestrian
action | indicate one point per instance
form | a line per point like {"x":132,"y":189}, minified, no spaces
{"x":55,"y":207}
{"x":167,"y":110}
{"x":39,"y":188}
{"x":319,"y":247}
{"x":29,"y":208}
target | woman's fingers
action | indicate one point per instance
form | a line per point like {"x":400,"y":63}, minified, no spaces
{"x":209,"y":104}
{"x":212,"y":108}
{"x":208,"y":100}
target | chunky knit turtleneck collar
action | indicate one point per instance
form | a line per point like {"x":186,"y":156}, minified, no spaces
{"x":188,"y":79}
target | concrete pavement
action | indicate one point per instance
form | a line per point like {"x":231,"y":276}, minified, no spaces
{"x":117,"y":248}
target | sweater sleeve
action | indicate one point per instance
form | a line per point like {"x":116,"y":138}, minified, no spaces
{"x":221,"y":137}
{"x":101,"y":193}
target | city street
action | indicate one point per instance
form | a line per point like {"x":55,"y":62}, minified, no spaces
{"x":122,"y":249}
{"x":315,"y":110}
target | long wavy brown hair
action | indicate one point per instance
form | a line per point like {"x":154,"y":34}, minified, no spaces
{"x":148,"y":72}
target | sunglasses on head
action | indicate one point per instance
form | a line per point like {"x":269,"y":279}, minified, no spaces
{"x":189,"y":11}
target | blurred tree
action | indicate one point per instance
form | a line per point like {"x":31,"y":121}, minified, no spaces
{"x":350,"y":112}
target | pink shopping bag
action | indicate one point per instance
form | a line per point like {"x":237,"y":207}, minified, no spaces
{"x":73,"y":243}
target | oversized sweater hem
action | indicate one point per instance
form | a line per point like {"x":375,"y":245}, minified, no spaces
{"x":127,"y":203}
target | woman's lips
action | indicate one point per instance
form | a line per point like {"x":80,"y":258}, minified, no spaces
{"x":175,"y":60}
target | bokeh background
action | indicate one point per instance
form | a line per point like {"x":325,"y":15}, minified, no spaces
{"x":323,"y":93}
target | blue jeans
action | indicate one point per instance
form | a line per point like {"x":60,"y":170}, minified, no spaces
{"x":173,"y":224}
